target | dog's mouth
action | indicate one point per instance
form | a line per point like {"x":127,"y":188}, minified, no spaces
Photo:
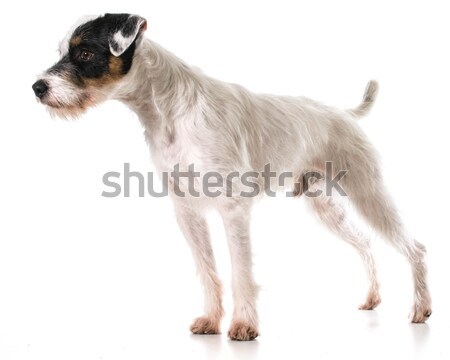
{"x":47,"y":102}
{"x":56,"y":105}
{"x":82,"y":100}
{"x":67,"y":110}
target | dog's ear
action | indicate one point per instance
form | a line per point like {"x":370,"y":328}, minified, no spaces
{"x":125,"y":29}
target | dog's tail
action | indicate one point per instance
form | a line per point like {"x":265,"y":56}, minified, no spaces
{"x":368,"y":99}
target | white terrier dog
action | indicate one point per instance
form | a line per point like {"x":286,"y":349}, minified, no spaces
{"x":190,"y":118}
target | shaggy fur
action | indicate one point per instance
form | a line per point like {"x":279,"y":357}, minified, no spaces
{"x":190,"y":118}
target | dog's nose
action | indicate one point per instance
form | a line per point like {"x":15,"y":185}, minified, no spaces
{"x":40,"y":88}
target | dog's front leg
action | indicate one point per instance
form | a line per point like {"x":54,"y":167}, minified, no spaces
{"x":235,"y":215}
{"x":195,"y":229}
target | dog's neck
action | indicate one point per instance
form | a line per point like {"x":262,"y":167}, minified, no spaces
{"x":159,"y":87}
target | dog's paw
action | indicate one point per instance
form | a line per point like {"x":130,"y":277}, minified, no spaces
{"x":204,"y":325}
{"x":242,"y":331}
{"x":372,"y":301}
{"x":420,"y":314}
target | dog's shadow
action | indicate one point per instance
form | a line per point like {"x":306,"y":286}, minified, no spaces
{"x":420,"y":336}
{"x":215,"y":345}
{"x":244,"y":349}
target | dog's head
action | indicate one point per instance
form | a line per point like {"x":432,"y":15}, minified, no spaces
{"x":96,"y":55}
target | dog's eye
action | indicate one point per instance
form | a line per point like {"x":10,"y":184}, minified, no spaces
{"x":86,"y":55}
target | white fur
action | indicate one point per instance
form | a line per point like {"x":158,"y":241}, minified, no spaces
{"x":191,"y":118}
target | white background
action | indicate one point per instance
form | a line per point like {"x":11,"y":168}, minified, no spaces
{"x":87,"y":277}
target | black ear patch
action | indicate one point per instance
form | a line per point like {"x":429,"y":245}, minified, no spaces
{"x":124,"y":30}
{"x":127,"y":25}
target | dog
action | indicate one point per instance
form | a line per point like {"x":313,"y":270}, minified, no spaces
{"x":190,"y":118}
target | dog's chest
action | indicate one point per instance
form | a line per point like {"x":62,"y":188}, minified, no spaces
{"x":176,"y":149}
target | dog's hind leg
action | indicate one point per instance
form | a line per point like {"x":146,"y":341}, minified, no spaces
{"x":194,"y":227}
{"x":333,"y":214}
{"x":366,"y":192}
